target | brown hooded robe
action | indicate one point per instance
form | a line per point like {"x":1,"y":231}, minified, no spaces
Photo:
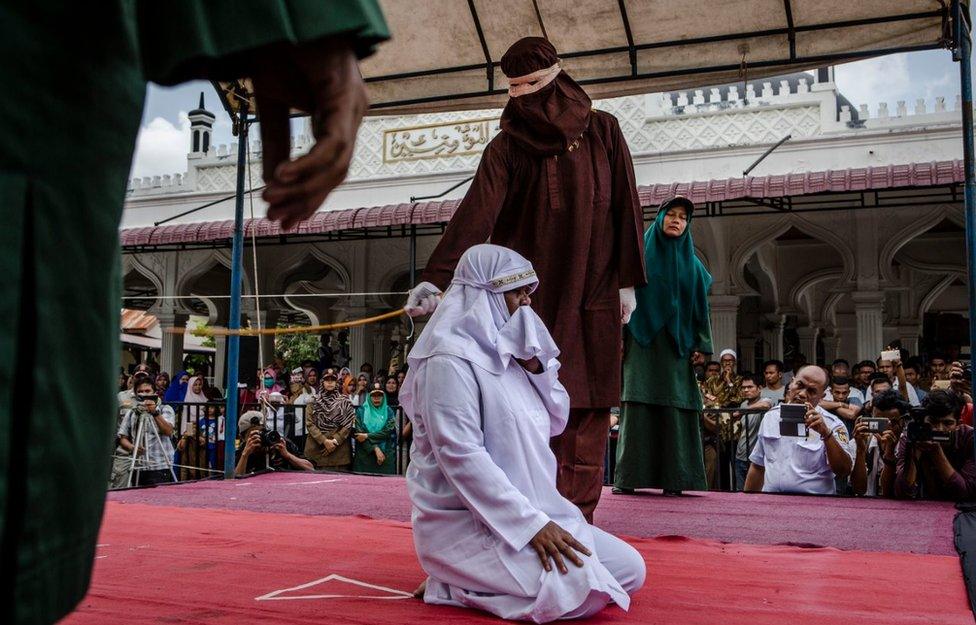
{"x":557,"y":186}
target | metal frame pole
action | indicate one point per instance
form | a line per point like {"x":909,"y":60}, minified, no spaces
{"x":962,"y":53}
{"x":236,"y":281}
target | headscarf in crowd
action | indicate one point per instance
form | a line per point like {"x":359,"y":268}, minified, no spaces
{"x":392,"y":398}
{"x":177,"y":388}
{"x":192,"y":413}
{"x":332,"y":411}
{"x":547,"y":110}
{"x":374,"y":418}
{"x":676,"y":296}
{"x":275,"y":387}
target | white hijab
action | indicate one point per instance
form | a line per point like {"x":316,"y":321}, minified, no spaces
{"x":472,"y":321}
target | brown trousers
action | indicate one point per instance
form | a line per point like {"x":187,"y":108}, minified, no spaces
{"x":580,"y":453}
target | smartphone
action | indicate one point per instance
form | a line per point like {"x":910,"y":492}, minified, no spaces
{"x":891,"y":355}
{"x":792,"y":420}
{"x":876,"y":425}
{"x":941,"y":385}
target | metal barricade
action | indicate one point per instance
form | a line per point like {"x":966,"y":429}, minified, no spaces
{"x":725,"y":442}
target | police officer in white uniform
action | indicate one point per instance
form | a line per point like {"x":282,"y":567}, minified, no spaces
{"x":810,"y":464}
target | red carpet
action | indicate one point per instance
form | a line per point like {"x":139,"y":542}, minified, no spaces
{"x":846,"y":523}
{"x":164,"y":564}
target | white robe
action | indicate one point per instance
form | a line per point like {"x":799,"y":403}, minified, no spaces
{"x":482,"y":480}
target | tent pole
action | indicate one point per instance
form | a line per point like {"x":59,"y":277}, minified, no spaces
{"x":964,"y":51}
{"x":236,"y":279}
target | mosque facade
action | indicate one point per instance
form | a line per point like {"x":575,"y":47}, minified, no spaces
{"x":847,"y":237}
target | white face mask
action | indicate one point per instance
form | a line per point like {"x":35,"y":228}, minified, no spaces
{"x":524,"y":336}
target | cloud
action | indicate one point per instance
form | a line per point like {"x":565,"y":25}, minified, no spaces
{"x":161,"y":147}
{"x":884,"y":79}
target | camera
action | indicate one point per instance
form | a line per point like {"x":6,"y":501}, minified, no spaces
{"x":269,"y":438}
{"x":920,"y":431}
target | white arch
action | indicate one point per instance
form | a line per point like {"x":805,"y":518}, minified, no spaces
{"x":811,"y":280}
{"x":211,"y":260}
{"x":829,"y":311}
{"x":283,"y":269}
{"x":914,"y":229}
{"x":131,"y":263}
{"x":745,"y":250}
{"x":934,"y":294}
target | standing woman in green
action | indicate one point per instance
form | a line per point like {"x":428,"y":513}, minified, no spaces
{"x":375,"y":435}
{"x":660,"y":442}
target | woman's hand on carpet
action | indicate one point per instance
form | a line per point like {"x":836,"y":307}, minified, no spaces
{"x":552,"y":541}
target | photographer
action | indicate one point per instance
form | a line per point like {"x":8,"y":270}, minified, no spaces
{"x":874,"y":459}
{"x":265,"y":449}
{"x":158,"y":453}
{"x":808,"y":463}
{"x":935,"y":453}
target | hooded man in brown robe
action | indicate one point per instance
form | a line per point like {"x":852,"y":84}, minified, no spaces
{"x":557,"y":186}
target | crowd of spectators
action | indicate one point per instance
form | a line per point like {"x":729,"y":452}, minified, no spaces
{"x":172,"y":427}
{"x":894,"y":427}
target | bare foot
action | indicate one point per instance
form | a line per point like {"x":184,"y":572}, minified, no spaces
{"x":419,"y":593}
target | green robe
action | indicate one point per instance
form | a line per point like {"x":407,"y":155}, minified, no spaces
{"x":74,"y":77}
{"x":365,"y":459}
{"x":659,"y":444}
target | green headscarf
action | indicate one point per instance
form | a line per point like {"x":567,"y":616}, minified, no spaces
{"x":676,"y":295}
{"x":375,"y":418}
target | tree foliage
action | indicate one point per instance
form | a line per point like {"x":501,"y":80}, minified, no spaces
{"x":294,"y":348}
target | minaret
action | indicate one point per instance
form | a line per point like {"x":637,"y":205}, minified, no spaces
{"x":201,"y":127}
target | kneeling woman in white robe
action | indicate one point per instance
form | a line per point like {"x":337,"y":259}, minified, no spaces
{"x":483,"y":395}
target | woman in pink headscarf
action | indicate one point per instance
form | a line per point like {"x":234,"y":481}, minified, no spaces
{"x":483,"y":394}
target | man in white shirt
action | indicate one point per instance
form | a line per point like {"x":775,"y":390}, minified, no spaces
{"x":801,"y":464}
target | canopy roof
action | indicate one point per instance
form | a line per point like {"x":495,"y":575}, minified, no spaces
{"x":444,"y":55}
{"x":887,"y":186}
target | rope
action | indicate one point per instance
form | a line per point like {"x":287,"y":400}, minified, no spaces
{"x":217,"y":331}
{"x":268,"y":296}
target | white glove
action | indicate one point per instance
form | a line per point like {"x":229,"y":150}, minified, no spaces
{"x":628,"y":303}
{"x":422,"y":300}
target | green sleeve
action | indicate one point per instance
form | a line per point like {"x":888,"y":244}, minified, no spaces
{"x":367,"y":445}
{"x":703,"y":342}
{"x":187,"y":39}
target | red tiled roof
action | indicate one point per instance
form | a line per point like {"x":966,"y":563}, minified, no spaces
{"x":835,"y":180}
{"x":137,"y":321}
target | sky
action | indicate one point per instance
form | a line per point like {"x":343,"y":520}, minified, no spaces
{"x":164,"y":136}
